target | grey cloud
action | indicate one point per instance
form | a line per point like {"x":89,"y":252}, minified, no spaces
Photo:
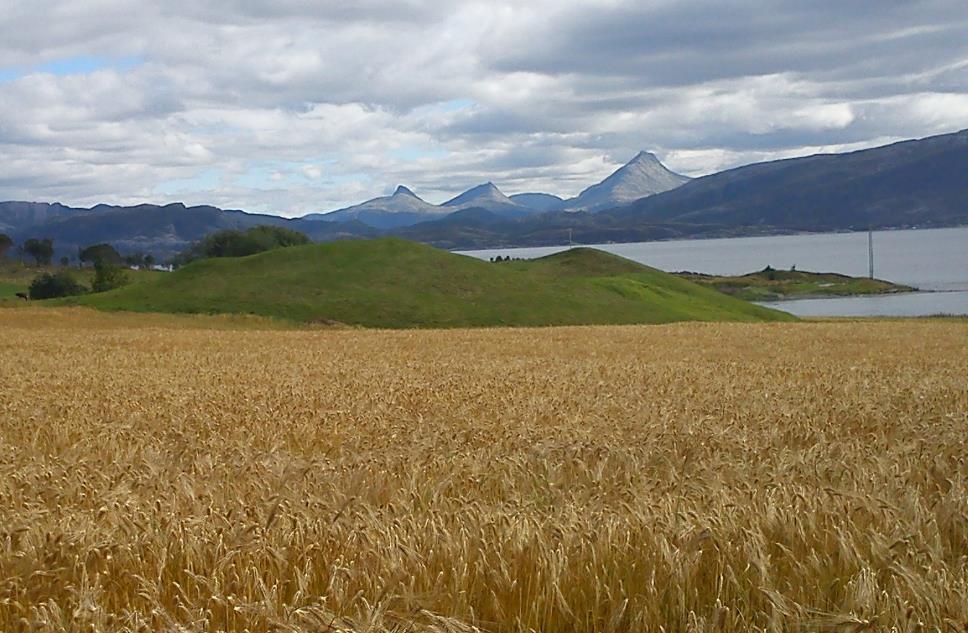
{"x":368,"y":11}
{"x":688,"y":42}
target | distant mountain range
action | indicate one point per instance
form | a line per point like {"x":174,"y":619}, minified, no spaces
{"x":912,"y":183}
{"x":148,"y":228}
{"x":917,"y":183}
{"x":643,"y":176}
{"x":403,"y":208}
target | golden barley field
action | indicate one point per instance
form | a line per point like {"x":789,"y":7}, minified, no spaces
{"x":192,"y":474}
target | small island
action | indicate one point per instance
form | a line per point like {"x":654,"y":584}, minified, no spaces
{"x":771,"y":284}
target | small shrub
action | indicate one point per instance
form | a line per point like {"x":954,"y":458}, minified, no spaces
{"x":108,"y":276}
{"x":53,"y":285}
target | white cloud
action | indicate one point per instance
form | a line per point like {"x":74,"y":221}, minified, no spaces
{"x":312,"y":171}
{"x":293,"y":106}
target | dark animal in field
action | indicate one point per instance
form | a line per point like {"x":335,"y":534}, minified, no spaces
{"x":23,"y":295}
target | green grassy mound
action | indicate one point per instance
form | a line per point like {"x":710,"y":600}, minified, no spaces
{"x":774,"y":285}
{"x":394,"y":283}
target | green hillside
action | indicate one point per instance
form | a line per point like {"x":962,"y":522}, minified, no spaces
{"x":394,"y":283}
{"x":16,"y":277}
{"x":774,"y":285}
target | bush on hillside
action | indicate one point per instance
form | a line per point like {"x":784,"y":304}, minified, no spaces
{"x":233,"y":243}
{"x":107,"y":276}
{"x":53,"y":285}
{"x":99,"y":253}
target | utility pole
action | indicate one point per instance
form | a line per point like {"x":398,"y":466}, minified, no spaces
{"x":570,"y":241}
{"x":870,"y":251}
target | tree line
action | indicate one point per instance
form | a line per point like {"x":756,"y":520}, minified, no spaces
{"x":41,"y":251}
{"x":105,"y":259}
{"x":108,"y":263}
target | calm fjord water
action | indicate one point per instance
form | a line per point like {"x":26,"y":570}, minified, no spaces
{"x":934,"y":260}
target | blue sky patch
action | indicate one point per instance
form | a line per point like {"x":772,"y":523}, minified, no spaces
{"x":80,"y":65}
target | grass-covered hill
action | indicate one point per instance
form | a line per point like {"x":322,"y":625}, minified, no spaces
{"x":772,"y":285}
{"x":395,"y":283}
{"x":16,"y":277}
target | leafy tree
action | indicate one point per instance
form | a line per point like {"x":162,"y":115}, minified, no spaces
{"x":52,"y":285}
{"x":41,"y":250}
{"x":98,"y":253}
{"x":107,"y":276}
{"x":135,"y":260}
{"x":233,"y":243}
{"x":65,"y":261}
{"x":149,"y":260}
{"x":5,"y":243}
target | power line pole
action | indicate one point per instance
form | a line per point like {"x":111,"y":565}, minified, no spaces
{"x":870,"y":251}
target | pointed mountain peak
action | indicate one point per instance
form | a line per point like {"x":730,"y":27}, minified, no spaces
{"x":484,"y":193}
{"x":644,"y":175}
{"x":644,"y":157}
{"x":403,"y":191}
{"x":485,"y":188}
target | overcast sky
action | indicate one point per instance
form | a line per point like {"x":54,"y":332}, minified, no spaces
{"x":292,"y":106}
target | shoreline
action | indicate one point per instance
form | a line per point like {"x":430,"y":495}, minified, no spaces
{"x":808,"y":297}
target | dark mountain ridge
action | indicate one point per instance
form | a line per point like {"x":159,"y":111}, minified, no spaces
{"x":910,"y":183}
{"x":162,"y":230}
{"x":538,"y":201}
